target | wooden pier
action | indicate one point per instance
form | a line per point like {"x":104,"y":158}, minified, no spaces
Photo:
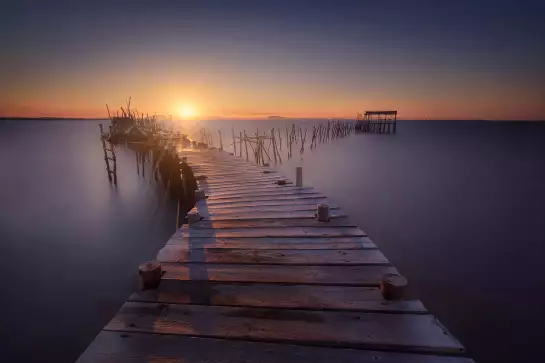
{"x":377,"y":121}
{"x":256,"y":277}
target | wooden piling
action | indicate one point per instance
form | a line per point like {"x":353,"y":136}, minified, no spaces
{"x":299,"y":176}
{"x":234,"y":142}
{"x":150,"y":274}
{"x":393,"y":286}
{"x":246,"y":144}
{"x":273,"y":145}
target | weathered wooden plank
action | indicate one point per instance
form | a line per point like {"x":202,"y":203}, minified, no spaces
{"x":269,"y":223}
{"x":250,"y":193}
{"x":243,"y":188}
{"x":233,"y":184}
{"x":308,"y":208}
{"x":180,"y":254}
{"x":275,"y":232}
{"x":257,"y":186}
{"x":270,"y":203}
{"x":263,"y":196}
{"x":314,"y":198}
{"x":229,"y":184}
{"x":273,"y":243}
{"x":126,"y":347}
{"x":402,"y":332}
{"x":242,"y":172}
{"x":268,"y":189}
{"x":312,"y":297}
{"x":232,"y":172}
{"x":233,"y":215}
{"x":311,"y":275}
{"x":243,"y":179}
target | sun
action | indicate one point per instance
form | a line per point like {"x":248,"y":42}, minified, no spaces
{"x":187,"y":111}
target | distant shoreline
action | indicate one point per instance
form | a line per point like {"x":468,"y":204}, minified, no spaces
{"x":270,"y":118}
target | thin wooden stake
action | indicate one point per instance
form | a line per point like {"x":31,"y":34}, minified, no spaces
{"x":246,"y":144}
{"x":234,"y":141}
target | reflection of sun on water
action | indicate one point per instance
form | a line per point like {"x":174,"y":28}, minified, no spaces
{"x":187,"y":112}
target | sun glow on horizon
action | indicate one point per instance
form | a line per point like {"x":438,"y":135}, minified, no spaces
{"x":187,"y":112}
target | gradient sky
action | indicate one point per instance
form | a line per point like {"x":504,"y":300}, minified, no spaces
{"x":236,"y":59}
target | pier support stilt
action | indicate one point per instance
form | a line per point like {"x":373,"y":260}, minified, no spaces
{"x":299,"y":176}
{"x":150,"y":273}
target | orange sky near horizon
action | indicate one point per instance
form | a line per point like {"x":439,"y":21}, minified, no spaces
{"x":215,"y":96}
{"x":301,"y":60}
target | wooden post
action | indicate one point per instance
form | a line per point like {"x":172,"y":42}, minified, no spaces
{"x":299,"y":176}
{"x":246,"y":144}
{"x":322,"y":212}
{"x":393,"y":286}
{"x":150,"y":273}
{"x":240,"y":144}
{"x":273,"y":145}
{"x":234,"y":142}
{"x":221,"y":141}
{"x":105,"y":153}
{"x":290,"y":153}
{"x":287,"y":137}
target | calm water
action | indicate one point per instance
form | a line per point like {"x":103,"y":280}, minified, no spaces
{"x":458,"y":207}
{"x":70,"y":244}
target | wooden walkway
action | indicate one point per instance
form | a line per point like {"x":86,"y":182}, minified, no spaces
{"x":260,"y":280}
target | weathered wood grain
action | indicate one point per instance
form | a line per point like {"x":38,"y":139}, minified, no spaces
{"x":401,"y":332}
{"x":311,"y":275}
{"x":270,"y":203}
{"x":180,"y":254}
{"x":307,"y":208}
{"x":252,"y":194}
{"x":256,"y":215}
{"x":274,"y":189}
{"x":286,"y":198}
{"x":243,"y":179}
{"x":123,"y":347}
{"x":233,"y":172}
{"x":242,"y":188}
{"x":311,"y":297}
{"x":268,"y":223}
{"x":273,"y":243}
{"x":274,"y":232}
